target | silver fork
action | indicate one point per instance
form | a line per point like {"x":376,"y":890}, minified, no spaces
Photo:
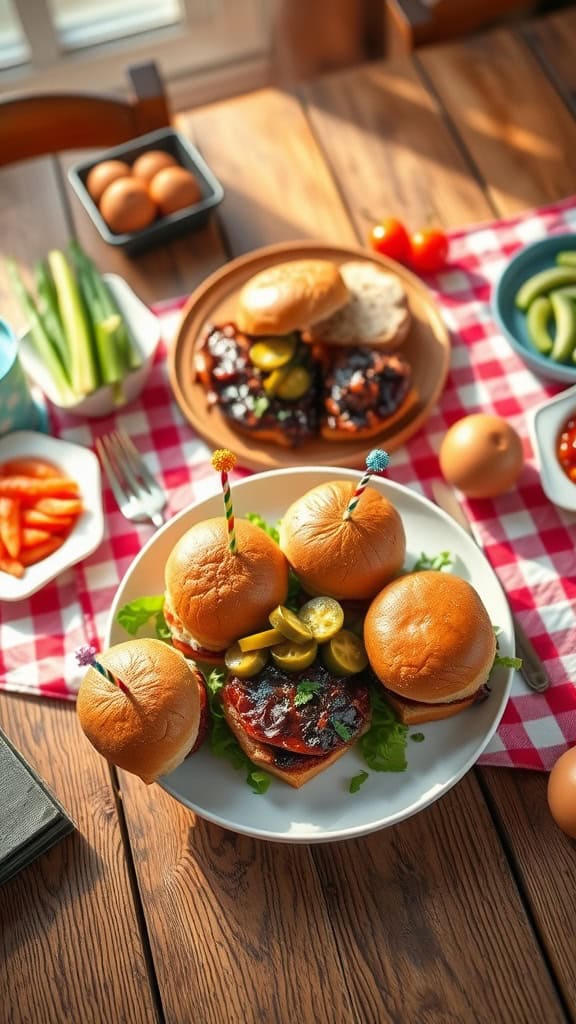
{"x":138,"y":494}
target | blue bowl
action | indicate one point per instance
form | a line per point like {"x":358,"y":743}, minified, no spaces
{"x":512,"y":322}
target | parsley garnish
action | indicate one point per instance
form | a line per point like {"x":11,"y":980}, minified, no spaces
{"x":261,"y":404}
{"x":417,"y":737}
{"x":305,"y":690}
{"x":357,"y":781}
{"x":343,"y":731}
{"x":438,"y":562}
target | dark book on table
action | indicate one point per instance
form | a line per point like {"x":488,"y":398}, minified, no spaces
{"x":31,"y":819}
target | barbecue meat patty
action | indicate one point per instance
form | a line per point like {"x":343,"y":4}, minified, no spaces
{"x":310,"y":713}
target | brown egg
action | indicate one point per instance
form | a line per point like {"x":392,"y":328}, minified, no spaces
{"x":562,"y":792}
{"x":127,"y":207}
{"x":103,"y":174}
{"x":151,"y":162}
{"x":174,"y":188}
{"x":481,"y":455}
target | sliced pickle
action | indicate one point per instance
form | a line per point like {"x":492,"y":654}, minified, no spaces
{"x":295,"y":383}
{"x":272,"y":353}
{"x":245,"y":663}
{"x":272,"y":382}
{"x":290,"y":625}
{"x":256,"y":641}
{"x":324,"y":617}
{"x":294,"y":657}
{"x":344,"y":654}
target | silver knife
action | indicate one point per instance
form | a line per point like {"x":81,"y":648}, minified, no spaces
{"x":533,"y":670}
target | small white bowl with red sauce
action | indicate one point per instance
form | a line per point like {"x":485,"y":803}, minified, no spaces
{"x":553,"y":432}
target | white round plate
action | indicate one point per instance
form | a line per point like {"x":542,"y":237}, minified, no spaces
{"x":324,"y":810}
{"x":80,"y":464}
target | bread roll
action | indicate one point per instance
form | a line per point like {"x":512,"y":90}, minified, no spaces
{"x":429,"y":638}
{"x":376,"y":313}
{"x":343,"y":558}
{"x":213,"y":597}
{"x":290,"y":296}
{"x":150,"y":722}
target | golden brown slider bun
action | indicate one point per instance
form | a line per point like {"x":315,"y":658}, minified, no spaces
{"x":148,"y":725}
{"x":429,"y":638}
{"x":215,"y":596}
{"x":343,"y":558}
{"x":290,"y":296}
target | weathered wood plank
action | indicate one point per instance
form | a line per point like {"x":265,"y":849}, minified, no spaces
{"x":515,"y":126}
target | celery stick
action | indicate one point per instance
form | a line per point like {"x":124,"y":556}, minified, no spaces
{"x":83,"y":371}
{"x":104,"y":330}
{"x":48,"y":308}
{"x":107,"y":306}
{"x":39,"y":338}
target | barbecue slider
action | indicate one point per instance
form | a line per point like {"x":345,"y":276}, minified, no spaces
{"x":290,"y":296}
{"x":214,"y":595}
{"x":431,"y":644}
{"x":349,"y":559}
{"x":143,"y":712}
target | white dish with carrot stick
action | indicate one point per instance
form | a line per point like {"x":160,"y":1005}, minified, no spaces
{"x":50,"y":510}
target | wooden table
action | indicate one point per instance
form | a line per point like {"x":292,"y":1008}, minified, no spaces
{"x":464,"y":913}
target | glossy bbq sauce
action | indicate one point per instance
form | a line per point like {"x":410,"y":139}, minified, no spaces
{"x":566,"y":447}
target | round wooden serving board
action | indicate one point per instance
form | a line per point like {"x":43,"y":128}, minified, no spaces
{"x":427,"y":349}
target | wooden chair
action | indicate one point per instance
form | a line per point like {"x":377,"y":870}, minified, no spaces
{"x":43,"y":123}
{"x":413,"y":23}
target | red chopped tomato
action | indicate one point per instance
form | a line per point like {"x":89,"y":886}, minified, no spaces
{"x":429,"y":249}
{"x":390,"y":238}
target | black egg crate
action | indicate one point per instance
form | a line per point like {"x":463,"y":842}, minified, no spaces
{"x":163,"y":228}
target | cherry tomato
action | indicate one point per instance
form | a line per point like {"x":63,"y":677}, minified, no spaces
{"x":429,"y":249}
{"x":390,"y":238}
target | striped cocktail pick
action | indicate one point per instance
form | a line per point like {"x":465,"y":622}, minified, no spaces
{"x":223,"y":461}
{"x":376,"y":462}
{"x":86,"y":655}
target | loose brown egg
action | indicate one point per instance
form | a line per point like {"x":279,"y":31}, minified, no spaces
{"x":127,"y":207}
{"x":481,"y":455}
{"x":562,"y":792}
{"x":103,"y":174}
{"x":174,"y":188}
{"x":151,"y":162}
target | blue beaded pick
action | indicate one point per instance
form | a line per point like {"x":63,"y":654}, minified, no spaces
{"x":377,"y":460}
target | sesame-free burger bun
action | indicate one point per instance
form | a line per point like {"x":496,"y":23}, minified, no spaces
{"x":214,"y":596}
{"x":343,"y":558}
{"x":148,"y":725}
{"x":290,"y":296}
{"x":429,"y":638}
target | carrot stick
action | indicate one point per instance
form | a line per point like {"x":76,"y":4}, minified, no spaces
{"x":32,"y":537}
{"x":12,"y":566}
{"x":59,"y":506}
{"x":29,"y":488}
{"x":29,"y":467}
{"x":30,"y":556}
{"x":32,"y":517}
{"x":10,"y":530}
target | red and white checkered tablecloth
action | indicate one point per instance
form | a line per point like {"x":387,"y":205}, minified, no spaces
{"x":530,"y":543}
